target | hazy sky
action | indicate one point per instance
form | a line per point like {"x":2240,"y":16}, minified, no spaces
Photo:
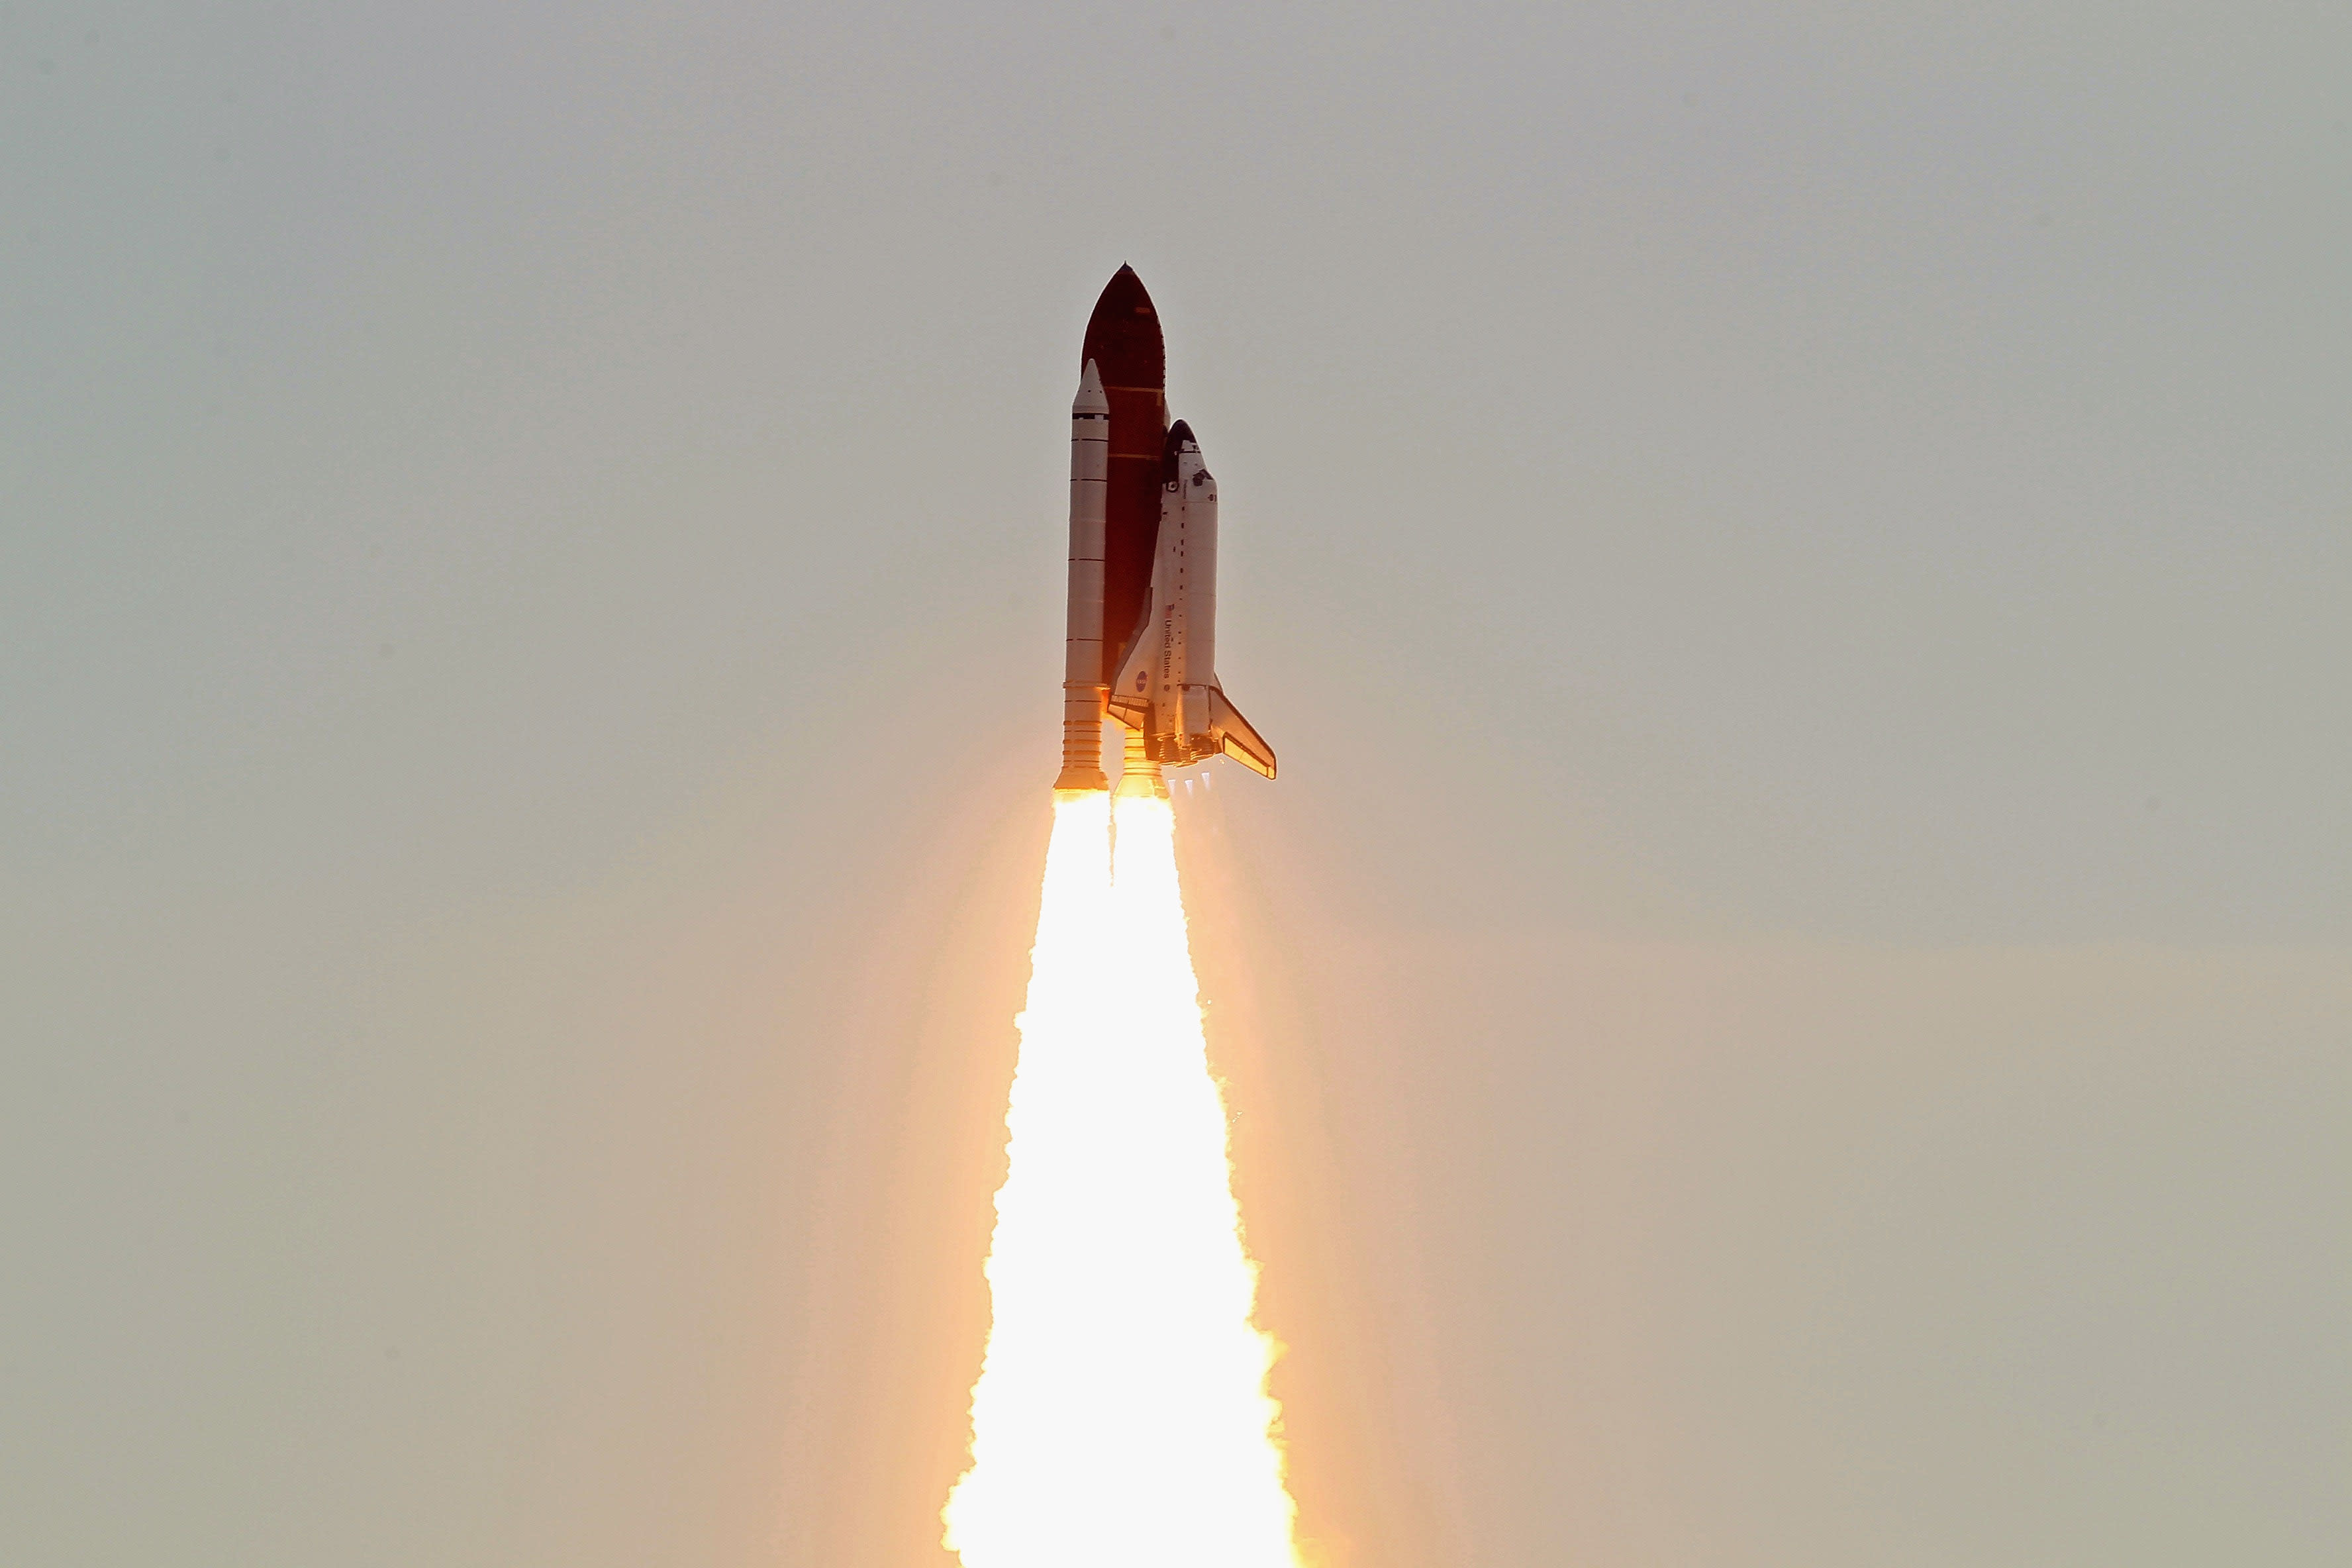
{"x":1793,"y":1001}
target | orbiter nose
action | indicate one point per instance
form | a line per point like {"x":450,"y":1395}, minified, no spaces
{"x":1180,"y":437}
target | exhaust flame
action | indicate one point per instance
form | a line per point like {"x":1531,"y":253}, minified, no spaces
{"x":1122,"y":1414}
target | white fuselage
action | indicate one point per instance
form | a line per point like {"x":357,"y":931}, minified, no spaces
{"x":1164,"y":684}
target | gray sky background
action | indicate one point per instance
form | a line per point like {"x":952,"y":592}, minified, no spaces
{"x":1793,"y":1004}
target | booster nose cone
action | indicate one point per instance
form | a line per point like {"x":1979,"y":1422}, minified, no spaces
{"x":1123,"y":335}
{"x":1090,"y":403}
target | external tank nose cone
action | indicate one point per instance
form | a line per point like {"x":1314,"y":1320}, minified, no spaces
{"x":1123,"y":335}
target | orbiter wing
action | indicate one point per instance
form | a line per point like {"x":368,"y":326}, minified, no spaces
{"x":1233,"y":735}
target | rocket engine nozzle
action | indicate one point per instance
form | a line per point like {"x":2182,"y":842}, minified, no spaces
{"x":1082,"y":720}
{"x":1142,"y":778}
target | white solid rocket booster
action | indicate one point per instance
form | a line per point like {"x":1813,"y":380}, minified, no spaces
{"x":1082,"y":683}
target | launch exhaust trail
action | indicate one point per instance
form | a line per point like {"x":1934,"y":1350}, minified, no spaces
{"x":1122,"y":1414}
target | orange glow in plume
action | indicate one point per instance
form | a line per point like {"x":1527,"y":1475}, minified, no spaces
{"x":1121,"y":1416}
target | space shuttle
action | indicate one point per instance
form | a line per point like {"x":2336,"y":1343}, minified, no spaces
{"x":1142,"y":630}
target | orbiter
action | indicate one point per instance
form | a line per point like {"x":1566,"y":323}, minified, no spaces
{"x":1142,"y":644}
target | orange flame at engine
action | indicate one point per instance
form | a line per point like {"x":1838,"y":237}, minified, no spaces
{"x":1122,"y":1414}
